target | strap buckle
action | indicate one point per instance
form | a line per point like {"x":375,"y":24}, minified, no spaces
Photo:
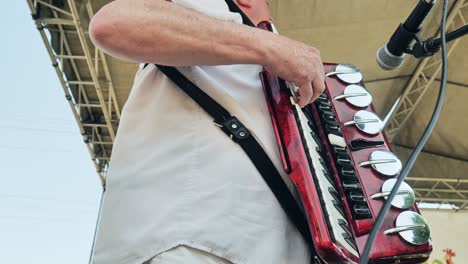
{"x":234,"y":129}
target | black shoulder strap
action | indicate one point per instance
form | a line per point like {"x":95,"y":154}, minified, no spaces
{"x":241,"y":135}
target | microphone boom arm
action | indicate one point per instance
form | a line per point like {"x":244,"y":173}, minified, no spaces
{"x":431,"y":46}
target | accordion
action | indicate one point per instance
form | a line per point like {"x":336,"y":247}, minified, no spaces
{"x":342,"y":166}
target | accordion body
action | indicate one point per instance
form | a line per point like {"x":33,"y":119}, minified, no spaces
{"x":342,"y":167}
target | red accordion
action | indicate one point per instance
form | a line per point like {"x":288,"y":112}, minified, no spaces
{"x":342,"y":166}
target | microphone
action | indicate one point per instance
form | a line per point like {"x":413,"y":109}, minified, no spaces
{"x":391,"y":55}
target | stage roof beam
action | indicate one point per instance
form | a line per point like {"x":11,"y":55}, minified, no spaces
{"x":64,"y":20}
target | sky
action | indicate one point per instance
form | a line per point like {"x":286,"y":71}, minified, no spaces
{"x":49,"y":189}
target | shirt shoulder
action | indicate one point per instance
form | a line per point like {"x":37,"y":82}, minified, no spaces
{"x":214,"y":8}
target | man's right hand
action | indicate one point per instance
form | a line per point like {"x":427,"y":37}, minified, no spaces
{"x":297,"y":63}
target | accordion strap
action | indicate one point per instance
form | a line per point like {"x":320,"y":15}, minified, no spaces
{"x":242,"y":136}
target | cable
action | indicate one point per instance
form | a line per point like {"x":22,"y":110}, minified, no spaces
{"x":427,"y":132}
{"x":38,"y":149}
{"x":42,"y":199}
{"x":28,"y":129}
{"x":98,"y":219}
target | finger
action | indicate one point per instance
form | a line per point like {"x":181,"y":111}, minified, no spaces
{"x":306,"y":93}
{"x":318,"y":86}
{"x":322,"y":76}
{"x":321,"y":71}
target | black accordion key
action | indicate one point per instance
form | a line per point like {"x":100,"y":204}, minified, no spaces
{"x":332,"y":129}
{"x":361,"y":211}
{"x":340,"y":150}
{"x":343,"y":161}
{"x":348,"y":172}
{"x":327,"y":175}
{"x":339,"y":207}
{"x":323,"y":97}
{"x":329,"y":116}
{"x":323,"y":107}
{"x":360,"y":143}
{"x":347,"y":235}
{"x":356,"y":197}
{"x":334,"y":193}
{"x":348,"y":186}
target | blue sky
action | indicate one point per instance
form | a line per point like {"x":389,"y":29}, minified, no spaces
{"x":49,"y":190}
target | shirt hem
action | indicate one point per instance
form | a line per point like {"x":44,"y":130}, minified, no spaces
{"x":219,"y":253}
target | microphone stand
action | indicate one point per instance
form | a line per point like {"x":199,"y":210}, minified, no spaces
{"x":422,"y":141}
{"x":431,"y":46}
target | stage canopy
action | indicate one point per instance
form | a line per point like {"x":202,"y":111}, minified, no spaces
{"x":97,"y":85}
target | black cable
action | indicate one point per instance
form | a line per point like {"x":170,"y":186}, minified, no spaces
{"x":98,"y":219}
{"x":427,"y":132}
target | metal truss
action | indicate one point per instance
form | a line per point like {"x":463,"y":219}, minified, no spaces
{"x":83,"y":73}
{"x":425,"y":75}
{"x":442,"y":191}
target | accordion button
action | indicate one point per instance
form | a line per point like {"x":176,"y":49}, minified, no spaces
{"x":348,"y":73}
{"x":356,"y":95}
{"x":412,"y":227}
{"x":367,"y":122}
{"x":405,"y":197}
{"x":384,"y":162}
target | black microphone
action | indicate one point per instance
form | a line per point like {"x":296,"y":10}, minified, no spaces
{"x":391,"y":55}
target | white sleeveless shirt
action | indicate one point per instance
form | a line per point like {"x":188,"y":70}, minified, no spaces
{"x":177,"y":179}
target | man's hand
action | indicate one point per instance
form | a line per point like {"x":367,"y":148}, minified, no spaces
{"x":300,"y":64}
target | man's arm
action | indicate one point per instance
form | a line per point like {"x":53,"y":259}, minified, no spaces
{"x":158,"y":31}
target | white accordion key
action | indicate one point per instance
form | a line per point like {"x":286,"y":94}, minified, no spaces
{"x":337,"y":140}
{"x":339,"y":227}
